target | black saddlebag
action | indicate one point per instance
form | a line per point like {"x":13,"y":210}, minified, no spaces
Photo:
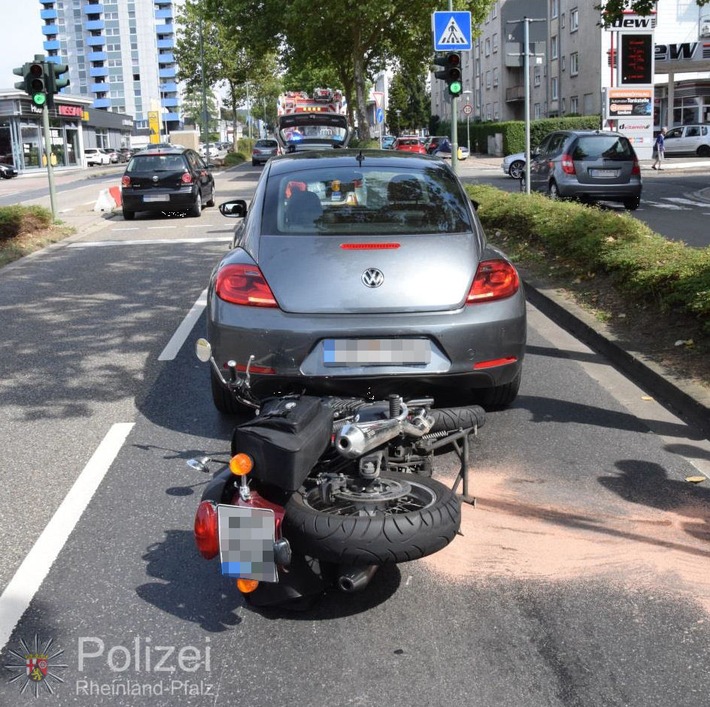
{"x":286,"y":439}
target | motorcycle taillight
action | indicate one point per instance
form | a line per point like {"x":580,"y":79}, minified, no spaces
{"x":206,"y":530}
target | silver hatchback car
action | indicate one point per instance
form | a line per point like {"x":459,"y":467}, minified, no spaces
{"x":589,"y":165}
{"x":364,"y":272}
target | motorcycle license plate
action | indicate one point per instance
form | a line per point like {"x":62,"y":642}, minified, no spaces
{"x":376,"y":352}
{"x":246,"y":542}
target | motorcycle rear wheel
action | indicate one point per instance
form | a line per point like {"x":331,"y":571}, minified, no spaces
{"x":412,"y":517}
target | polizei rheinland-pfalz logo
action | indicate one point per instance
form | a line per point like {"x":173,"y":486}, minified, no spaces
{"x":35,"y":668}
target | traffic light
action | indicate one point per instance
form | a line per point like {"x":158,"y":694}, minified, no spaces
{"x":451,"y":73}
{"x":54,"y":83}
{"x":21,"y":71}
{"x":35,"y":83}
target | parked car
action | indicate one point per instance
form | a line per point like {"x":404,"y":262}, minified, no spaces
{"x":263,"y":151}
{"x":688,"y":140}
{"x":166,"y":180}
{"x":409,"y":143}
{"x":433,"y":141}
{"x":590,"y":165}
{"x":388,"y":142}
{"x":358,"y":271}
{"x":7,"y":171}
{"x":114,"y":157}
{"x":514,"y":165}
{"x":444,"y":151}
{"x":96,"y":156}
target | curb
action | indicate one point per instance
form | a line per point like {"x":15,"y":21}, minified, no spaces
{"x":689,"y":401}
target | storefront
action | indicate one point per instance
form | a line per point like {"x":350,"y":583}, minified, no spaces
{"x":73,"y":125}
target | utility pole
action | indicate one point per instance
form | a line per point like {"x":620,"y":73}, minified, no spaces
{"x":526,"y":77}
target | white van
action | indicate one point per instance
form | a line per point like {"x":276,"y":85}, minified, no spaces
{"x":95,"y":155}
{"x":688,"y":140}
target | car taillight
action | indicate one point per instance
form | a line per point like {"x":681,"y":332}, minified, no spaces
{"x":125,"y":181}
{"x":495,"y":279}
{"x":206,"y":532}
{"x":567,"y":164}
{"x":636,"y":168}
{"x":245,"y":285}
{"x":186,"y":178}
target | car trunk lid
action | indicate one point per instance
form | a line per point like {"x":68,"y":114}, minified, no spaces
{"x":365,"y":274}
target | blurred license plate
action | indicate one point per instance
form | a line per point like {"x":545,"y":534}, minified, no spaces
{"x":156,"y":197}
{"x":608,"y":173}
{"x":246,"y":542}
{"x":376,"y":352}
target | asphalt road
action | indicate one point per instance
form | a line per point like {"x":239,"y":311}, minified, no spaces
{"x":581,"y":577}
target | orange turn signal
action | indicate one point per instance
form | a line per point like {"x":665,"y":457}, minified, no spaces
{"x":247,"y":586}
{"x":241,"y":464}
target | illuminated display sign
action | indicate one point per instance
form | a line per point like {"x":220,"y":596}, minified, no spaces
{"x":636,"y":61}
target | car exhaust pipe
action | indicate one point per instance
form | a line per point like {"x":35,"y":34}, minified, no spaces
{"x":353,"y":579}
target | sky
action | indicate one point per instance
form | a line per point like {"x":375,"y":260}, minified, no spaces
{"x":20,"y":37}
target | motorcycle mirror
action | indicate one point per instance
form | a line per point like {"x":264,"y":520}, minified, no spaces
{"x":203,"y":350}
{"x":199,"y":464}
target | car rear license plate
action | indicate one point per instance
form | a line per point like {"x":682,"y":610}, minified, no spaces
{"x":604,"y":173}
{"x":376,"y":352}
{"x":156,"y":197}
{"x":246,"y":542}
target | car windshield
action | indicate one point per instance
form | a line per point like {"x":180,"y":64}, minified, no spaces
{"x":612,"y":147}
{"x":375,"y":200}
{"x":266,"y":143}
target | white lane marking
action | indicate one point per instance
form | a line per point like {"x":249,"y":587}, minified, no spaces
{"x":149,"y":241}
{"x":183,"y":331}
{"x":34,"y":568}
{"x":682,"y":200}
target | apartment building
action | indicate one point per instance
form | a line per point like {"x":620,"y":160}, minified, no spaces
{"x":120,"y":55}
{"x":573,"y":62}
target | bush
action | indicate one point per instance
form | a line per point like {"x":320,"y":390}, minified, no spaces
{"x":643,"y":265}
{"x":17,"y":220}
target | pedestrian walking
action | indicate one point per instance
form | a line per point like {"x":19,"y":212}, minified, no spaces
{"x":659,"y":149}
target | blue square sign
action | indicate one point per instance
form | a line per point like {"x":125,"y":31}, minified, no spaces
{"x":452,"y":31}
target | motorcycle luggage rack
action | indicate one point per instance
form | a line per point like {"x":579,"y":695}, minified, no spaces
{"x":459,"y":441}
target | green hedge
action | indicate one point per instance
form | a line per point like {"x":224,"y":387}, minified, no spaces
{"x":643,"y":265}
{"x":513,"y":131}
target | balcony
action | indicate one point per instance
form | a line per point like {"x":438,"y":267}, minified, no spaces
{"x":48,"y":14}
{"x":98,"y":71}
{"x":166,"y":43}
{"x":100,"y":87}
{"x":164,"y":14}
{"x":514,"y":93}
{"x":95,"y":41}
{"x":168,"y":87}
{"x":51,"y":45}
{"x":52,"y":30}
{"x":171,"y":117}
{"x":93,"y":9}
{"x":97,"y":56}
{"x":94,"y":25}
{"x":102,"y":103}
{"x":170,"y":102}
{"x":166,"y":58}
{"x":164,"y":29}
{"x":170,"y":73}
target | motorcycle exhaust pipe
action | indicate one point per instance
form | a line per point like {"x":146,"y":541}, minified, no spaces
{"x":358,"y":438}
{"x":353,"y":579}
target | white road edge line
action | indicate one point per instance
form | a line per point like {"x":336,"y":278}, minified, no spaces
{"x":25,"y":583}
{"x":147,"y":241}
{"x":183,"y":331}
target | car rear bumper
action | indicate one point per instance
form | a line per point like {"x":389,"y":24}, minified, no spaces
{"x":465,"y":342}
{"x":158,"y":200}
{"x":601,"y":192}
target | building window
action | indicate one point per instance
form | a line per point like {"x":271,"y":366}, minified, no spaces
{"x":536,"y":111}
{"x":553,"y":47}
{"x":574,"y":105}
{"x":495,"y":43}
{"x":573,"y":20}
{"x":536,"y":76}
{"x":495,"y":76}
{"x":487,"y":46}
{"x":554,"y":8}
{"x":488,"y":79}
{"x":554,"y":88}
{"x":574,"y":63}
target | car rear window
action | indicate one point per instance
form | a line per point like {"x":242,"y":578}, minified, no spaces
{"x":612,"y":147}
{"x":371,"y":200}
{"x":156,"y":163}
{"x":266,"y":143}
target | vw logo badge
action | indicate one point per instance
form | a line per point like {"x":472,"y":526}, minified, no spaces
{"x":372,"y":277}
{"x":155,"y":178}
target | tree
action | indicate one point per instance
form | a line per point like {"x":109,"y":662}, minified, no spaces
{"x":409,"y":103}
{"x":355,"y":39}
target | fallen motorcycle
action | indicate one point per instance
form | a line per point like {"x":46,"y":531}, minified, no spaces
{"x":320,"y":492}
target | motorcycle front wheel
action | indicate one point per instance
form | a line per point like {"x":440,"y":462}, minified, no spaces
{"x":404,"y":518}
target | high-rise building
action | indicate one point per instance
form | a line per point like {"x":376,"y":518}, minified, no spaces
{"x":119,"y":53}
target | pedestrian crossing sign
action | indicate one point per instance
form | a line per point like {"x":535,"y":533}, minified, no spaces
{"x":452,"y":31}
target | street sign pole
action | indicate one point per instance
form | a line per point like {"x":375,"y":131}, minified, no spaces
{"x":454,"y":123}
{"x":48,"y":157}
